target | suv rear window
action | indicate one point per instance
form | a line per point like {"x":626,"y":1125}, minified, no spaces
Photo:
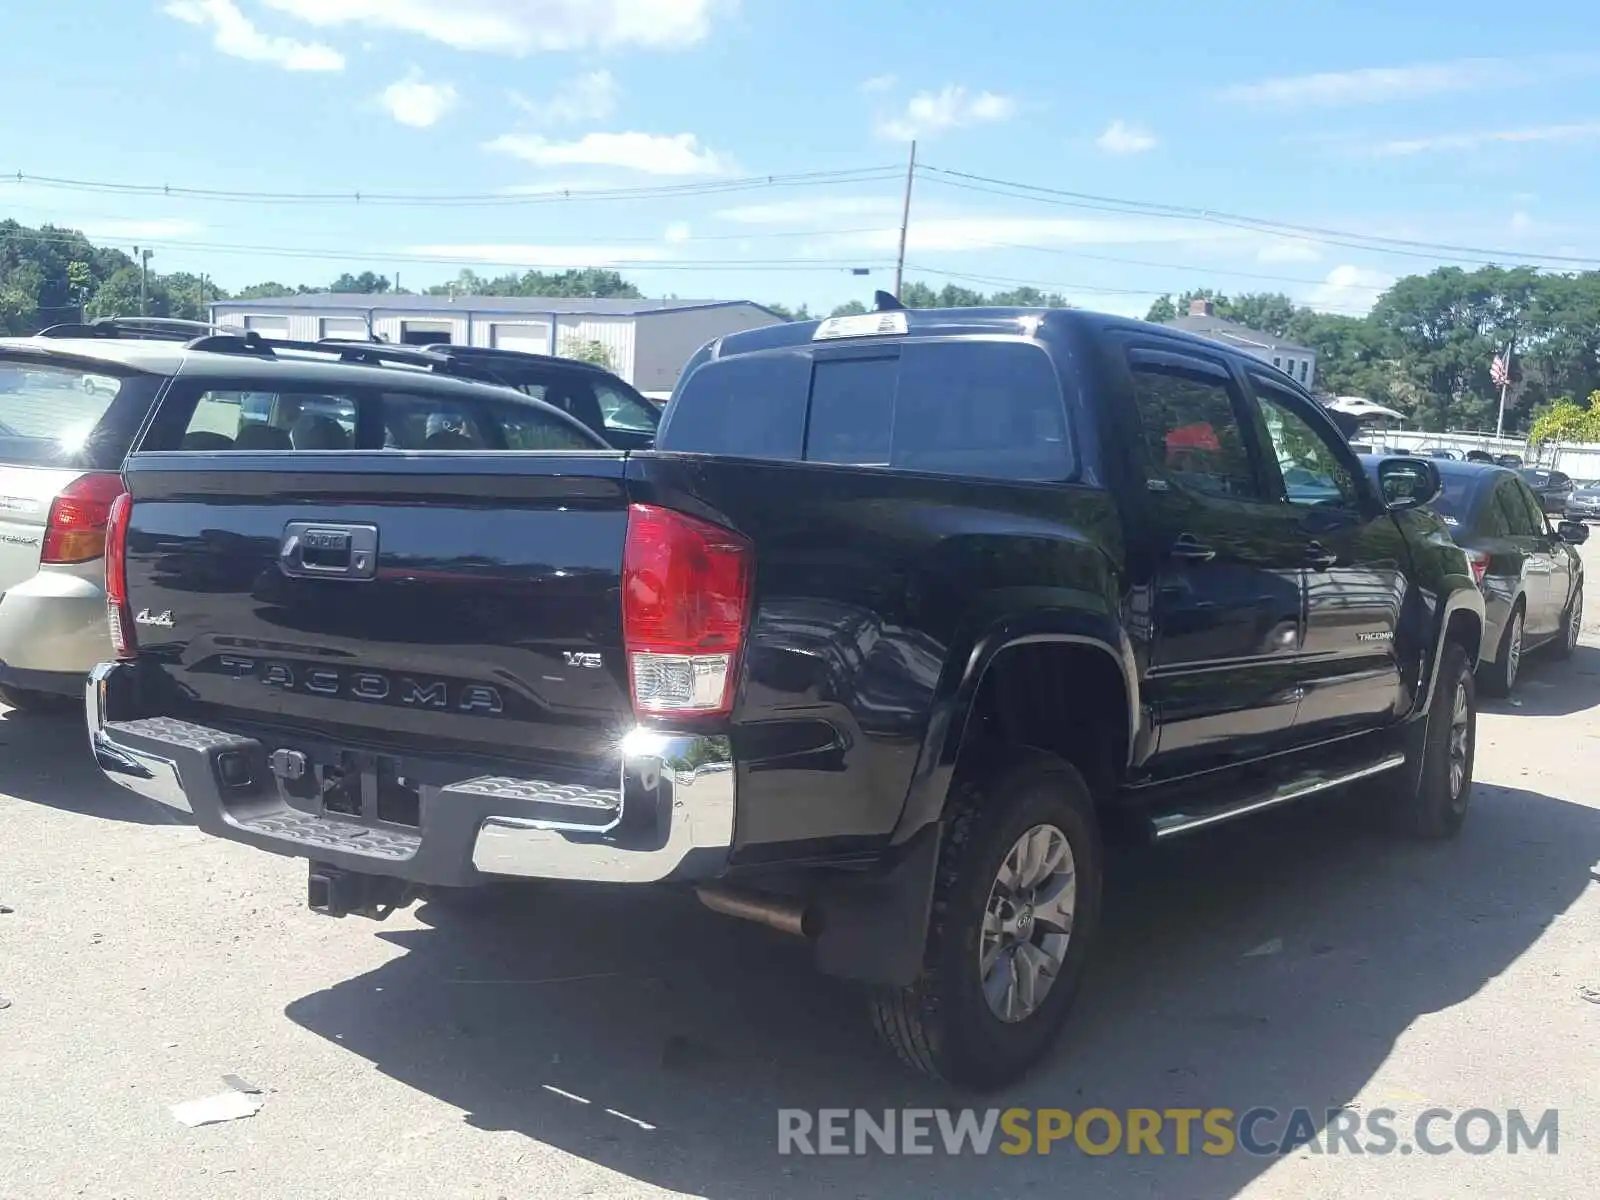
{"x":61,"y":416}
{"x":984,"y":409}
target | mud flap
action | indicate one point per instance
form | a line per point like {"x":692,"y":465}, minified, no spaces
{"x":875,"y":927}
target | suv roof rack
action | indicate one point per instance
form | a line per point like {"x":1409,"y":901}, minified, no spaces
{"x":372,"y":354}
{"x":164,"y":329}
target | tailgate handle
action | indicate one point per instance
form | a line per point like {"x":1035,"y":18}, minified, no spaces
{"x":321,"y":550}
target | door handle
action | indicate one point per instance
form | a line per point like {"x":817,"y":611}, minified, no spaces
{"x":1319,"y":556}
{"x":1191,"y":549}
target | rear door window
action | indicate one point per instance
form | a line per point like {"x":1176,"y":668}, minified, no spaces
{"x":753,"y":406}
{"x":247,"y":418}
{"x":1192,"y":434}
{"x":524,"y":427}
{"x":423,"y":422}
{"x":625,"y":413}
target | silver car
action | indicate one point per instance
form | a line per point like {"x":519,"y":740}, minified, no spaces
{"x":68,"y":411}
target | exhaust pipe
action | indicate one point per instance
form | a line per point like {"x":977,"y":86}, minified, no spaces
{"x":775,"y":912}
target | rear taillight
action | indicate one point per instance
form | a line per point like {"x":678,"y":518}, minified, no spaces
{"x":75,"y":531}
{"x":118,"y":617}
{"x":685,"y":603}
{"x":1479,"y":562}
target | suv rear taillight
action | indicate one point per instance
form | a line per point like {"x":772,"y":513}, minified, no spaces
{"x":75,"y":531}
{"x":1479,"y":562}
{"x":117,"y":614}
{"x":686,"y":588}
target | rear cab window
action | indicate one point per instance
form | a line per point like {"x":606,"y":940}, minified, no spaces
{"x":70,"y":416}
{"x":989,"y":408}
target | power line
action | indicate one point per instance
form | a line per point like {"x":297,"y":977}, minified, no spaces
{"x":1372,"y":242}
{"x":462,"y":199}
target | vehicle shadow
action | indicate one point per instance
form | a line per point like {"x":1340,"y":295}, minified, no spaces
{"x":1549,"y":686}
{"x":658,"y":1040}
{"x":45,"y":759}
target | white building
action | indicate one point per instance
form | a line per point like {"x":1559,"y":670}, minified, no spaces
{"x":648,"y":341}
{"x":1298,"y":362}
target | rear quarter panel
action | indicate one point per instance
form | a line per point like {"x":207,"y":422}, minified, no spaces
{"x":876,"y":595}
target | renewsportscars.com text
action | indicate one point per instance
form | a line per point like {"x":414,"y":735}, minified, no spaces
{"x":1177,"y":1131}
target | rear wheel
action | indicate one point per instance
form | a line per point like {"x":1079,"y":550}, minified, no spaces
{"x":1016,"y":904}
{"x":42,"y":703}
{"x":1437,"y":806}
{"x":1499,"y":677}
{"x":1571,"y":624}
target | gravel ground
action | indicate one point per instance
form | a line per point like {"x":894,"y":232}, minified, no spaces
{"x":576,"y":1043}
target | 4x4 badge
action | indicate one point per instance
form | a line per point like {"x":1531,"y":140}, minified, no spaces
{"x":146,"y":617}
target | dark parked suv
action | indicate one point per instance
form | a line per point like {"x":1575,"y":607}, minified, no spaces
{"x":903,"y":616}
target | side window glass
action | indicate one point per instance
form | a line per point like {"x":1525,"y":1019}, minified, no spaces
{"x":422,"y":422}
{"x":1535,"y":511}
{"x":532,"y":429}
{"x":1312,"y":472}
{"x":1191,"y":433}
{"x":262,"y":420}
{"x":1514,"y":515}
{"x":622,"y":412}
{"x":1492,"y":515}
{"x":852,"y":411}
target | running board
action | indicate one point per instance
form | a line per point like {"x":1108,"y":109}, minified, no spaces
{"x":1169,"y":825}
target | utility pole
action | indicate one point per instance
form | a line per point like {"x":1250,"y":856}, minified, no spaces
{"x":905,"y":221}
{"x":144,"y":280}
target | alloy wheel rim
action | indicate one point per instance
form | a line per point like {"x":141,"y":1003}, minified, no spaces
{"x":1027,"y":923}
{"x":1460,"y":741}
{"x":1514,"y":650}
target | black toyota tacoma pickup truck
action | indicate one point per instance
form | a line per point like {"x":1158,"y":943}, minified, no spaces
{"x":905,"y":614}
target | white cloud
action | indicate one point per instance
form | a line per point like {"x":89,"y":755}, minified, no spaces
{"x":522,"y":26}
{"x":411,"y":101}
{"x":654,"y":154}
{"x":590,"y":97}
{"x":879,"y":83}
{"x":234,"y":34}
{"x":954,"y":107}
{"x":1122,"y":138}
{"x":816,"y":208}
{"x":1289,"y":250}
{"x":541,"y":256}
{"x":159,"y":227}
{"x":1349,"y":289}
{"x":678,"y":233}
{"x":1374,"y":85}
{"x":1474,"y":141}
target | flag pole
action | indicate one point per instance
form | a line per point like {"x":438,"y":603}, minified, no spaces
{"x":1505,"y":385}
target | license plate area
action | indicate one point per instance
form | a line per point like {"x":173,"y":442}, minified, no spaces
{"x":350,"y":784}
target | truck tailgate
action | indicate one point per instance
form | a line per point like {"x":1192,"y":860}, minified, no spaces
{"x":378,"y":598}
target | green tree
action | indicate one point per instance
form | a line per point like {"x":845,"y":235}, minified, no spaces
{"x":1564,"y":421}
{"x":366,"y":284}
{"x":588,"y":351}
{"x":265,"y":291}
{"x":852,"y":309}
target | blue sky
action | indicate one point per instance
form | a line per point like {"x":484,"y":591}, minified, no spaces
{"x":1460,"y":124}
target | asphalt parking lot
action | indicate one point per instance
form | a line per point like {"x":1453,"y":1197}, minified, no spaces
{"x":579,"y":1043}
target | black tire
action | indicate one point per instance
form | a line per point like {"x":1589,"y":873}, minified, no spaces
{"x":1571,"y":624}
{"x":38,"y":703}
{"x":942,"y":1025}
{"x":1499,"y":677}
{"x":1437,"y":806}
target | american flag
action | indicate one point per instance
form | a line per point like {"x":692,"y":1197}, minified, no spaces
{"x":1499,"y":373}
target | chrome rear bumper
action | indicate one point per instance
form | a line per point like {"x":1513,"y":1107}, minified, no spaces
{"x":670,"y":815}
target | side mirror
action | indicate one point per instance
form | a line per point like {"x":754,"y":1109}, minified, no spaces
{"x":1408,"y":482}
{"x":1574,"y":533}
